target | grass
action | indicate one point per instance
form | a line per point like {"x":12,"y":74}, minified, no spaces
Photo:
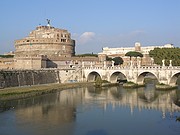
{"x":29,"y":91}
{"x":132,"y":85}
{"x":165,"y":87}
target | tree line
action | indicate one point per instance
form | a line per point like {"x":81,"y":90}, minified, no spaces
{"x":119,"y":60}
{"x":158,"y":54}
{"x":6,"y":56}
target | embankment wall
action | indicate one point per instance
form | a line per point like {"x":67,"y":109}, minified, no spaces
{"x":28,"y":77}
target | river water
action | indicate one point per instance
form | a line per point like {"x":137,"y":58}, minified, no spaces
{"x":91,"y":111}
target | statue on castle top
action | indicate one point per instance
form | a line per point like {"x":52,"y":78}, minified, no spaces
{"x":48,"y":21}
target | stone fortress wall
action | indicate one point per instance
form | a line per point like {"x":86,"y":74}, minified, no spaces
{"x":15,"y":78}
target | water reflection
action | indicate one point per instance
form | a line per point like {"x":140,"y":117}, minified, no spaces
{"x":65,"y":102}
{"x":59,"y":113}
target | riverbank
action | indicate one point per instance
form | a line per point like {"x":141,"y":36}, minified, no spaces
{"x":30,"y":91}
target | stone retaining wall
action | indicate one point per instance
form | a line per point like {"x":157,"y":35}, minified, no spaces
{"x":28,"y":77}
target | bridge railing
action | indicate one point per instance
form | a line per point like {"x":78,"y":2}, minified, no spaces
{"x":133,"y":67}
{"x":100,"y":67}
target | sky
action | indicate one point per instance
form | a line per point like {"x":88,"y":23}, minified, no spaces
{"x":94,"y":24}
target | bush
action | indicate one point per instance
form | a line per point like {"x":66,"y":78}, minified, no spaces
{"x":6,"y":56}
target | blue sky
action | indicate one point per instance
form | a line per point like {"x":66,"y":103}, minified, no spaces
{"x":94,"y":23}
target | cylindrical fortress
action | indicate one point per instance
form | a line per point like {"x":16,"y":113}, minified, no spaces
{"x":46,"y":40}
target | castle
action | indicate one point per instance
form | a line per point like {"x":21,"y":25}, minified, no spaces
{"x":47,"y":47}
{"x":46,"y":42}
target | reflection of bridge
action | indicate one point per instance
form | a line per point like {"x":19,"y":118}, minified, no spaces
{"x":134,"y":99}
{"x":164,"y":74}
{"x":141,"y":99}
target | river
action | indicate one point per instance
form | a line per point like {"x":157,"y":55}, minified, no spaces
{"x":91,"y":111}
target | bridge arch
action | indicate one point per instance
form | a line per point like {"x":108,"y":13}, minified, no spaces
{"x":92,"y":76}
{"x":117,"y":77}
{"x":174,"y":79}
{"x":141,"y":77}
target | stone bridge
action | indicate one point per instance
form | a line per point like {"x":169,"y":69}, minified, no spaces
{"x":164,"y":74}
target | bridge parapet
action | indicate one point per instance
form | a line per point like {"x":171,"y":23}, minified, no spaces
{"x":133,"y":67}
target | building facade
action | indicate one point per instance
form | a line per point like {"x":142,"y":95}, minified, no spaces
{"x":120,"y":52}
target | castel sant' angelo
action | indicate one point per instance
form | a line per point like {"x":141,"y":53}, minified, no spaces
{"x":46,"y":40}
{"x":46,"y":47}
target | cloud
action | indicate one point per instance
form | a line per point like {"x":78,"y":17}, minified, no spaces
{"x":94,"y":42}
{"x":86,"y":37}
{"x":86,"y":42}
{"x":120,"y":39}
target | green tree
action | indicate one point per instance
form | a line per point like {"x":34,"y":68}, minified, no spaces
{"x":134,"y":54}
{"x":108,"y":58}
{"x":158,"y":54}
{"x":6,"y":56}
{"x":86,"y":55}
{"x":118,"y":61}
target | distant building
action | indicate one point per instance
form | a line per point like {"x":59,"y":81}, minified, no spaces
{"x":120,"y":52}
{"x":6,"y":63}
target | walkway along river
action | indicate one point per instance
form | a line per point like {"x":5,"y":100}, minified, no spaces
{"x":92,"y":111}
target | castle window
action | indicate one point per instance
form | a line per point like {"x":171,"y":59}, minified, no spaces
{"x":58,"y":36}
{"x":63,"y":40}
